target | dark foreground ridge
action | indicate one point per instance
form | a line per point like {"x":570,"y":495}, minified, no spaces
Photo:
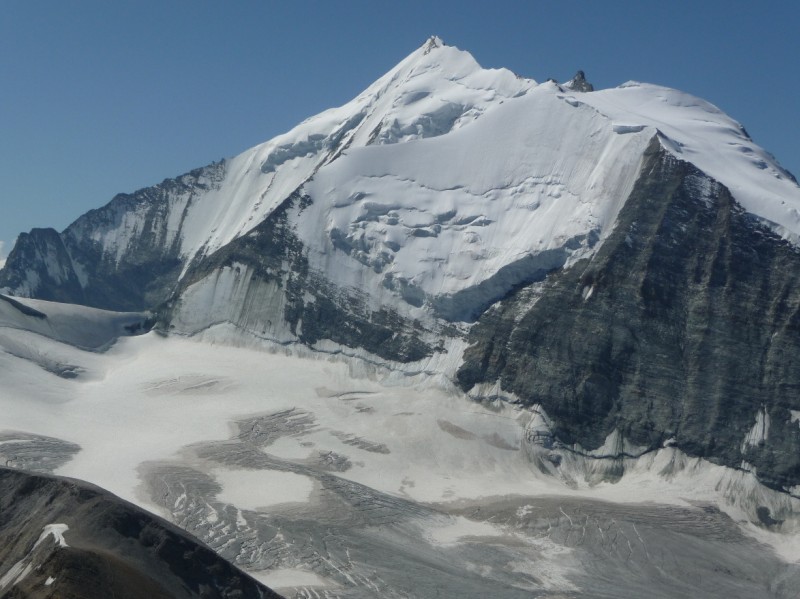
{"x":114,"y":549}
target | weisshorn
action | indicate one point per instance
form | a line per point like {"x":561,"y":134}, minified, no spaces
{"x":467,"y":335}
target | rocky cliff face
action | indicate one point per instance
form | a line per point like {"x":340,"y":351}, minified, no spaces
{"x":124,"y":256}
{"x":680,"y":330}
{"x":60,"y":538}
{"x":40,"y":266}
{"x":262,"y":284}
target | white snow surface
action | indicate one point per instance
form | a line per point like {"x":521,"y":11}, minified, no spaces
{"x":443,"y":175}
{"x":261,"y":489}
{"x":290,"y":579}
{"x":409,"y":164}
{"x":760,"y":431}
{"x":434,"y":90}
{"x":698,"y":132}
{"x":536,"y":175}
{"x":57,"y":530}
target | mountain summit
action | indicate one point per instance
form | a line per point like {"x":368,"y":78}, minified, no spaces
{"x":625,"y":261}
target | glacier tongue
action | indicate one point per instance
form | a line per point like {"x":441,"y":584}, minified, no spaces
{"x":374,"y":477}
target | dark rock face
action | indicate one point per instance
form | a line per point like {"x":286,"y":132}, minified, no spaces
{"x":114,"y":549}
{"x":579,"y":84}
{"x":684,"y":325}
{"x":39,"y":265}
{"x":89,"y":264}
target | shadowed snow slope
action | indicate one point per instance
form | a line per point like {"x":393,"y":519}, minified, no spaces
{"x":85,"y":328}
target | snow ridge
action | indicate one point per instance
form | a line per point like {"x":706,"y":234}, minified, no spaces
{"x":442,"y":174}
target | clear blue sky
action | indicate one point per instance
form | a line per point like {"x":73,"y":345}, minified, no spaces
{"x":100,"y":97}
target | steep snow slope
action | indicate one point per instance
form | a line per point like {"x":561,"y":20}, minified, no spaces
{"x":700,"y":133}
{"x":459,"y":220}
{"x":535,"y":183}
{"x":438,"y":90}
{"x":43,"y":333}
{"x":413,"y":187}
{"x":85,"y":328}
{"x":433,"y":91}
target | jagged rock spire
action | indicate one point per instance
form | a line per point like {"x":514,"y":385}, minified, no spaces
{"x":579,"y":84}
{"x":433,"y":41}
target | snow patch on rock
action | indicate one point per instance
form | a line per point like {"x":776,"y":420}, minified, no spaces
{"x":759,"y":433}
{"x":20,"y":570}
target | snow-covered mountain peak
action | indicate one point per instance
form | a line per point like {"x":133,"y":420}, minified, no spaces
{"x":435,"y":90}
{"x":432,"y":43}
{"x":572,"y":252}
{"x":442,"y":174}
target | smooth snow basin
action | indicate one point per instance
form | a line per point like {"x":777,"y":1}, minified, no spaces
{"x":260,"y":489}
{"x":286,"y":578}
{"x":459,"y":528}
{"x":290,"y":448}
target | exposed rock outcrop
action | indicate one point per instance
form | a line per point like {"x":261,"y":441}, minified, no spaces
{"x":681,"y":327}
{"x":61,"y":538}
